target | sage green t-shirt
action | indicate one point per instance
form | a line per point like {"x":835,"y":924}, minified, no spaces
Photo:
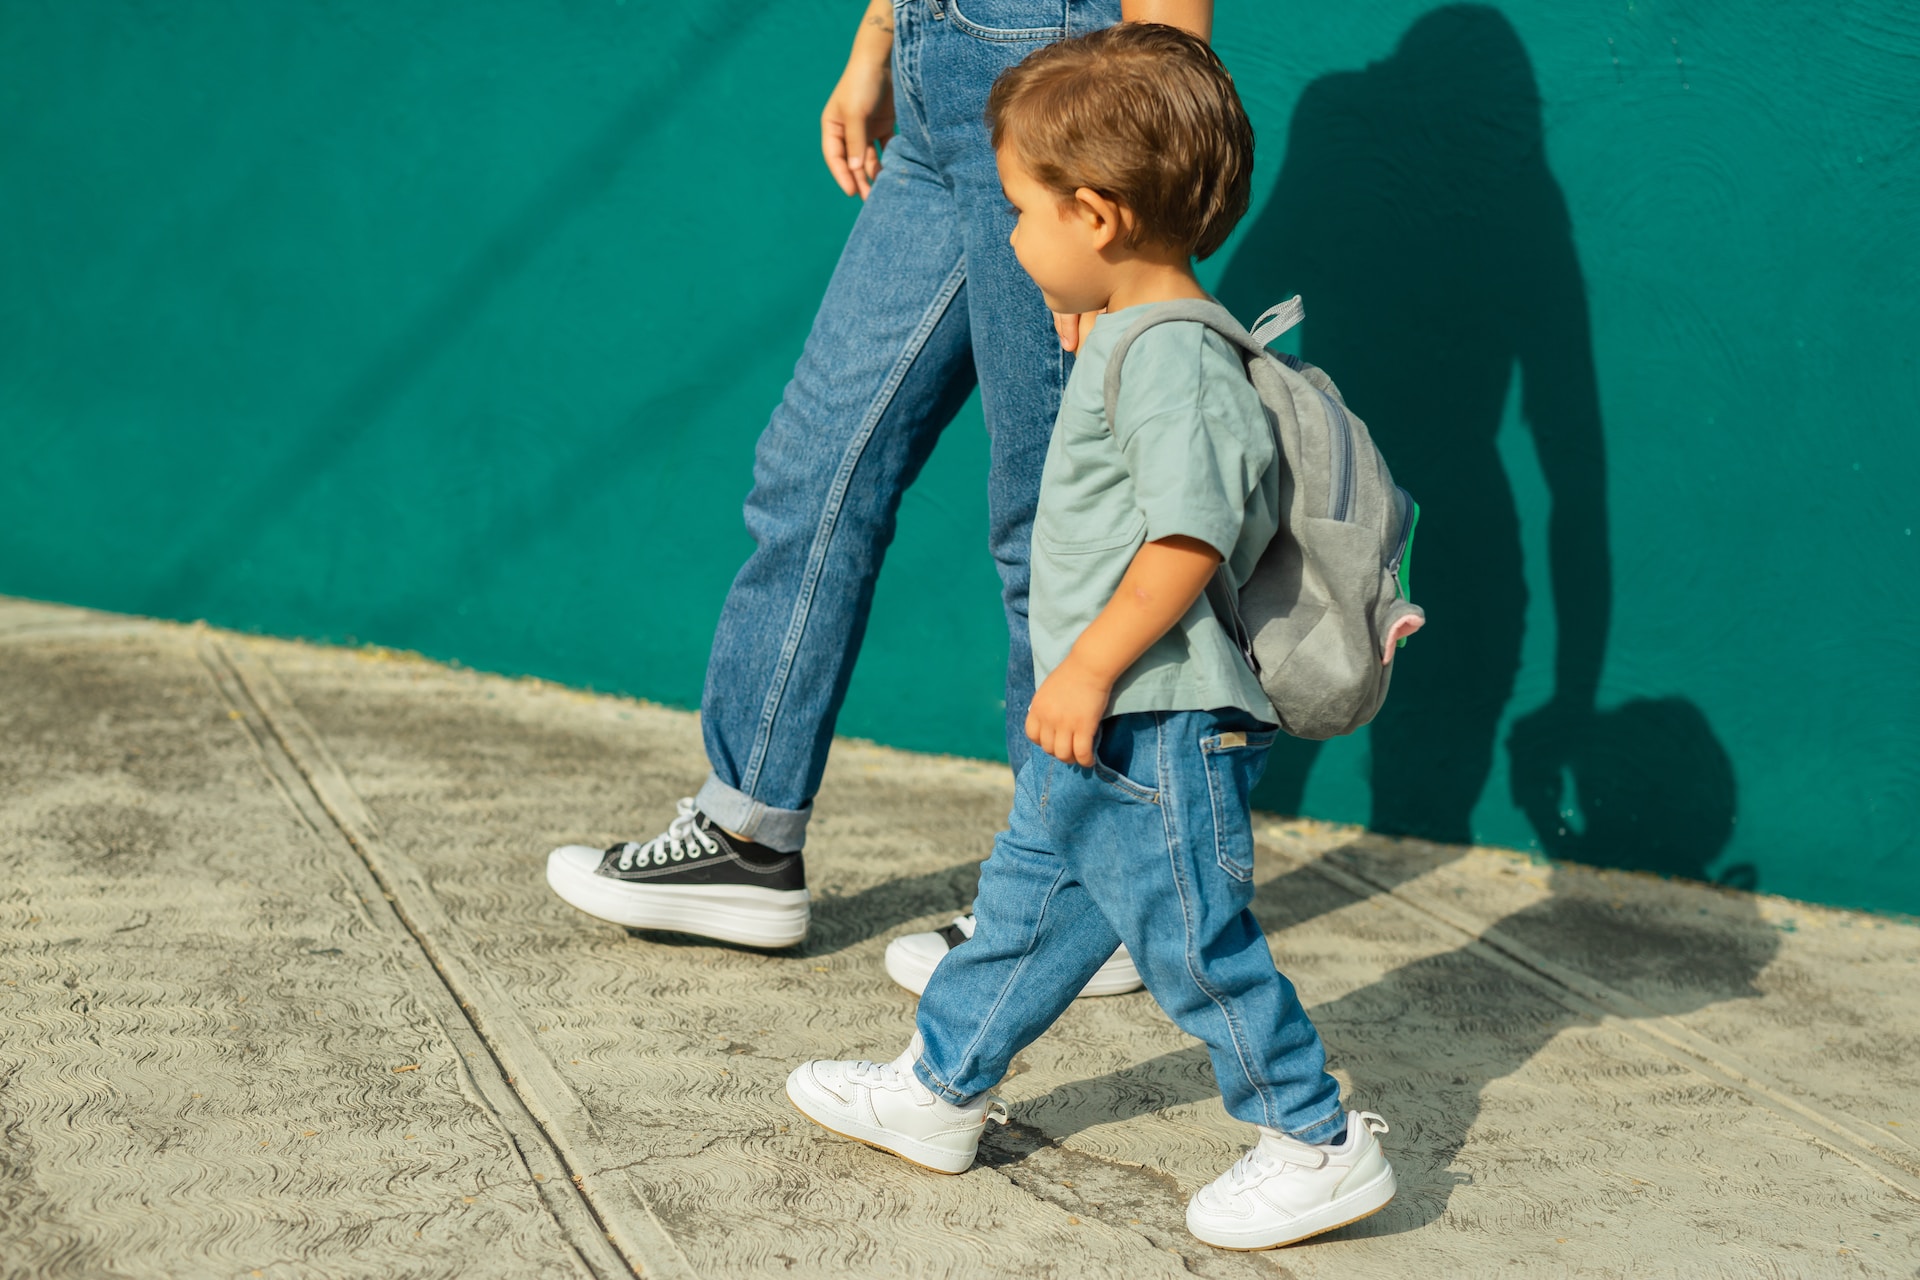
{"x":1190,"y":453}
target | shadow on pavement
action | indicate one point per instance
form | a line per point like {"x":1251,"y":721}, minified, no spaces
{"x":1423,"y":1042}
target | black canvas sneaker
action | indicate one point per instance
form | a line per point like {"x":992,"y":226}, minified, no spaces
{"x":692,"y":878}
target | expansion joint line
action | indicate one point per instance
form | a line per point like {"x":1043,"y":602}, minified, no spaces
{"x":1846,"y":1136}
{"x":599,"y":1209}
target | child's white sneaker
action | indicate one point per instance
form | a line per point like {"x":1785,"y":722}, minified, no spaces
{"x":884,"y":1105}
{"x":1285,"y":1190}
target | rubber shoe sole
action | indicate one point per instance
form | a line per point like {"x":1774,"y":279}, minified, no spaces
{"x":928,"y":1157}
{"x":1361,"y":1202}
{"x":911,"y":962}
{"x":740,"y":914}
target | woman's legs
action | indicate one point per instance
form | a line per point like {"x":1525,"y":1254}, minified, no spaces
{"x":886,"y":367}
{"x":879,"y":379}
{"x":927,"y":297}
{"x":1022,"y":369}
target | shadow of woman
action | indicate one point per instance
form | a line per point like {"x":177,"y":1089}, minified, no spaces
{"x":1416,"y":214}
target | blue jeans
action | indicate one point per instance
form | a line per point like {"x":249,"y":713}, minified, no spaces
{"x":926,"y":301}
{"x":1153,"y":847}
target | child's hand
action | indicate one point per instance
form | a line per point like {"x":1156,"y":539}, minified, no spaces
{"x":1066,"y":712}
{"x":1167,"y":575}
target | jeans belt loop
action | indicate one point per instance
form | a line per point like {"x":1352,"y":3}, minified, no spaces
{"x":939,"y":10}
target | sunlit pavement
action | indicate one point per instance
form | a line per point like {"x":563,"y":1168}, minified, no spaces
{"x":285,"y":994}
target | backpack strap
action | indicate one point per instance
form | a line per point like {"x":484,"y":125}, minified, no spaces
{"x":1272,"y":323}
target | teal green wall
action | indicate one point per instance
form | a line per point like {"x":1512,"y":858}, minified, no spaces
{"x":449,"y":326}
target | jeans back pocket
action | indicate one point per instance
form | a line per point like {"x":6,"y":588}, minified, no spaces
{"x":1235,"y":761}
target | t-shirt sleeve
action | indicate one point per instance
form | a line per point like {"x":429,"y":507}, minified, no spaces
{"x":1194,"y":435}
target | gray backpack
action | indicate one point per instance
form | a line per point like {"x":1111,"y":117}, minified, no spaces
{"x":1326,"y":606}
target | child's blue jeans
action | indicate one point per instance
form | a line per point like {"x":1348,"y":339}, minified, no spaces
{"x":927,"y":301}
{"x":1153,"y":847}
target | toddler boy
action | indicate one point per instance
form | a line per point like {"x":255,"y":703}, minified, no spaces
{"x":1126,"y":154}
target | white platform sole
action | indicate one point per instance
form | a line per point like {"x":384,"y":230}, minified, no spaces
{"x":736,"y":913}
{"x":912,"y":970}
{"x":1361,"y":1202}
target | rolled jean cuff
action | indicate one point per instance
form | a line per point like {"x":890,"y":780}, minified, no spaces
{"x":784,"y":830}
{"x":1322,"y":1132}
{"x":939,"y":1088}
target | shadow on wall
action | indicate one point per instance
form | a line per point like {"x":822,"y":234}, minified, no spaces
{"x":1416,"y":214}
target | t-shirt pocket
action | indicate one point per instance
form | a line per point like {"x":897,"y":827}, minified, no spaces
{"x":1053,"y":541}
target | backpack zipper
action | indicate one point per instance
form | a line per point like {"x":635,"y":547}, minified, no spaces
{"x":1409,"y":517}
{"x":1340,"y":484}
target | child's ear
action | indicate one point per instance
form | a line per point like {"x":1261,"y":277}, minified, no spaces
{"x":1106,"y":220}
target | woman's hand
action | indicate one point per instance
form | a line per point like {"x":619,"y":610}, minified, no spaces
{"x":1073,"y":329}
{"x":858,"y":118}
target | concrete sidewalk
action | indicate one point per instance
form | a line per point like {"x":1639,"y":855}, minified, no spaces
{"x":285,"y":995}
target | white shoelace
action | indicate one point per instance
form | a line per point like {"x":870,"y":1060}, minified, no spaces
{"x":682,"y":839}
{"x":1261,"y":1162}
{"x":880,"y":1075}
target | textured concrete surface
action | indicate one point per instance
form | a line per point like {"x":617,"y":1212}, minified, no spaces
{"x":284,"y":994}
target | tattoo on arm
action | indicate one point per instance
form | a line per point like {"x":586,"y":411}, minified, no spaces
{"x":881,"y":21}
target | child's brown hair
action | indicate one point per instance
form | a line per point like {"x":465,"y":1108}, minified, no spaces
{"x":1142,"y":113}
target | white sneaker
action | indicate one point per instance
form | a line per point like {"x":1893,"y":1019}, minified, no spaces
{"x":912,"y":957}
{"x":1285,"y":1190}
{"x":884,"y":1105}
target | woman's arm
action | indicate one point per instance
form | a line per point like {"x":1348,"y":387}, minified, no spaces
{"x":1189,"y":15}
{"x":858,"y":118}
